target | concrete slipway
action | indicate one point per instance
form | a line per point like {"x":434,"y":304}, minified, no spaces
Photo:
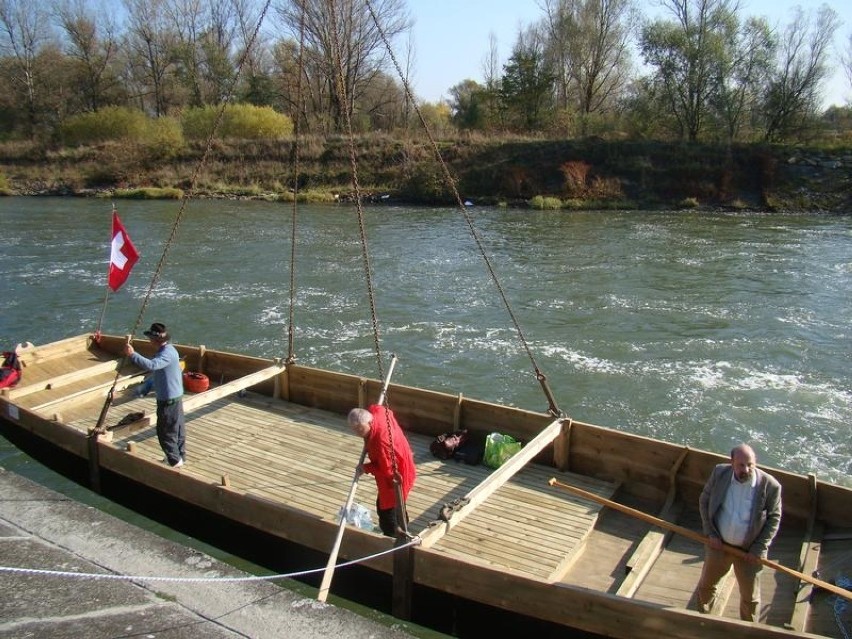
{"x":45,"y":530}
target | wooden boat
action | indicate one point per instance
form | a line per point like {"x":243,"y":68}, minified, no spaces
{"x":268,"y":447}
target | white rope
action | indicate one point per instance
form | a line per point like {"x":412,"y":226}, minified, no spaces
{"x":84,"y":575}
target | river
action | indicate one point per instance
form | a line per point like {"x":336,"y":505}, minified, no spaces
{"x":703,"y":329}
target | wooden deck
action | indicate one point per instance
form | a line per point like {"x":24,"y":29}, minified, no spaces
{"x":304,"y":458}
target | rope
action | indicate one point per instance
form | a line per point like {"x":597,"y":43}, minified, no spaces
{"x":451,"y":182}
{"x":193,"y":183}
{"x":290,"y":575}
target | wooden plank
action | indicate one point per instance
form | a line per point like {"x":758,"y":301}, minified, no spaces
{"x":646,"y":553}
{"x":87,"y":394}
{"x":808,"y":562}
{"x":195,"y":402}
{"x":494,"y":481}
{"x":202,"y":399}
{"x":33,"y":355}
{"x":640,"y":562}
{"x":63,"y":380}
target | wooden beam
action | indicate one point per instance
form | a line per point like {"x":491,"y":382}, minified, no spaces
{"x":38,"y":354}
{"x":639,"y":564}
{"x":492,"y":483}
{"x":808,"y":562}
{"x":64,"y":380}
{"x":810,"y":554}
{"x":202,"y":399}
{"x":562,"y":447}
{"x":241,"y":383}
{"x":84,"y":395}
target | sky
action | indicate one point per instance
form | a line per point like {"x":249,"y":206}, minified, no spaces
{"x":451,"y":37}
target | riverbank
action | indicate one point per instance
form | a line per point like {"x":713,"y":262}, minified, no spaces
{"x":575,"y":174}
{"x":41,"y":529}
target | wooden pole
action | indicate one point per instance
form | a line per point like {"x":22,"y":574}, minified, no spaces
{"x":691,"y":534}
{"x":325,"y":585}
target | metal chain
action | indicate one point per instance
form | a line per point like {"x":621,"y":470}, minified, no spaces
{"x":291,"y":352}
{"x":193,"y":182}
{"x":451,"y":182}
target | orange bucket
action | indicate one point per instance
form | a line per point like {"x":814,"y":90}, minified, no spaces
{"x":195,"y":382}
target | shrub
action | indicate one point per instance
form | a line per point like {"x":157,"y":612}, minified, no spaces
{"x":239,"y":121}
{"x":575,"y":173}
{"x":162,"y":139}
{"x":5,"y":188}
{"x":545,"y":203}
{"x":689,"y":203}
{"x":109,"y":124}
{"x":149,"y":193}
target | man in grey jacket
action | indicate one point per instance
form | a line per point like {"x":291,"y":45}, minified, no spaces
{"x":741,"y":507}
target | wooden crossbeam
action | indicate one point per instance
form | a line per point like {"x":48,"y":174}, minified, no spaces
{"x":122,"y":383}
{"x":241,"y":383}
{"x":200,"y":400}
{"x":492,"y":483}
{"x":640,"y":562}
{"x":808,"y":562}
{"x":63,"y":380}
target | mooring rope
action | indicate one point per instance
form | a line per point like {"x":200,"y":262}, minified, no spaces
{"x":290,"y":575}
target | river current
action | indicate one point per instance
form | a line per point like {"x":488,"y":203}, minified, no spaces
{"x":704,"y":329}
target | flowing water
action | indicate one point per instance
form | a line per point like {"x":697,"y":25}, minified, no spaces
{"x":703,"y":329}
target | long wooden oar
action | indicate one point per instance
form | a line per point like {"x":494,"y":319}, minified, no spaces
{"x":686,"y":532}
{"x":325,"y":585}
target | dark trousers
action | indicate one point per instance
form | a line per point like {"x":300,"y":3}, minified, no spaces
{"x":387,"y":520}
{"x":171,"y":430}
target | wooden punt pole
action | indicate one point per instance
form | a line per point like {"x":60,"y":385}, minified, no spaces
{"x":325,"y":585}
{"x":695,"y":536}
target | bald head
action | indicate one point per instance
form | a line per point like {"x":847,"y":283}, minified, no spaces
{"x":743,"y":461}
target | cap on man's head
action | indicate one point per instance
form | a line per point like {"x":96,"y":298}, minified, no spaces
{"x":157,"y":331}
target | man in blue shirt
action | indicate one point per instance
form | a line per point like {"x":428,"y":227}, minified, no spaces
{"x":740,"y":506}
{"x":168,"y":388}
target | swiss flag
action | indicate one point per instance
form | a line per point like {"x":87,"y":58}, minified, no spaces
{"x":123,"y":255}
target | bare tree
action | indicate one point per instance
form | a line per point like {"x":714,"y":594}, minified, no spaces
{"x":794,"y":89}
{"x":93,"y":45}
{"x":343,"y":42}
{"x":589,"y":49}
{"x":846,"y":60}
{"x":24,"y":36}
{"x":151,"y":45}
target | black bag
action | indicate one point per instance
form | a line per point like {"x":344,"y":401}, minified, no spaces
{"x":444,"y":446}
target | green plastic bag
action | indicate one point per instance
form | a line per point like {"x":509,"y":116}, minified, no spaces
{"x":499,"y":448}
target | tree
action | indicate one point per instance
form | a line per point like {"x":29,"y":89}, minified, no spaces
{"x":151,"y":45}
{"x":846,"y":60}
{"x":587,"y":44}
{"x":687,"y":54}
{"x":794,"y":87}
{"x":467,"y":105}
{"x":345,"y":48}
{"x":742,"y":75}
{"x":526,"y":89}
{"x":92,"y":45}
{"x":24,"y":36}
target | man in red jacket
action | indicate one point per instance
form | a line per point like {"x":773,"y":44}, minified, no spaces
{"x":379,"y":429}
